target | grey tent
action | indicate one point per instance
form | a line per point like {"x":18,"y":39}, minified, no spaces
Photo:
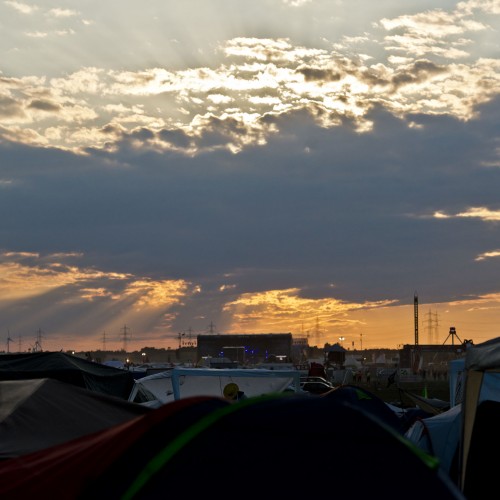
{"x":439,"y":435}
{"x":40,"y":413}
{"x":67,"y":368}
{"x":480,"y":435}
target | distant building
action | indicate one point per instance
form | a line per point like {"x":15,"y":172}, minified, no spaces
{"x":336,"y":355}
{"x":434,"y":357}
{"x":246,"y":348}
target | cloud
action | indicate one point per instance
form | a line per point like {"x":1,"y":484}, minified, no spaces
{"x":42,"y":105}
{"x":267,"y":78}
{"x":37,"y":34}
{"x":487,"y":6}
{"x":488,"y":255}
{"x":482,"y":213}
{"x":296,"y":3}
{"x":62,"y":13}
{"x":262,"y":177}
{"x":285,"y":310}
{"x":434,"y":24}
{"x":39,"y":279}
{"x":23,"y":8}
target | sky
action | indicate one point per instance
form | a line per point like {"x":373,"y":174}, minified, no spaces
{"x":169,"y":169}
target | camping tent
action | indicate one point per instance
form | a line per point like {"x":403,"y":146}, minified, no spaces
{"x":369,"y":402}
{"x":40,"y":413}
{"x":439,"y":435}
{"x":180,"y":382}
{"x":67,"y":368}
{"x":433,"y":406}
{"x":480,"y":416}
{"x":285,"y":445}
{"x":456,"y":377}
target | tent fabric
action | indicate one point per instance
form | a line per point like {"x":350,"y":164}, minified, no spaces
{"x":40,"y":413}
{"x":482,"y":383}
{"x":399,"y":419}
{"x":367,"y":401}
{"x":67,"y":368}
{"x":269,"y":441}
{"x":440,"y":436}
{"x":73,"y":466}
{"x":482,"y":466}
{"x":456,"y":375}
{"x":433,"y":406}
{"x":205,"y":445}
{"x":484,"y":356}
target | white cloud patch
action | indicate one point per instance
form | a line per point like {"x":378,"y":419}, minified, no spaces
{"x":258,"y":79}
{"x":296,"y":3}
{"x":62,"y":13}
{"x":436,"y":24}
{"x":481,"y":213}
{"x":37,"y":34}
{"x":255,"y":88}
{"x":23,"y":8}
{"x":487,"y":6}
{"x":488,"y":255}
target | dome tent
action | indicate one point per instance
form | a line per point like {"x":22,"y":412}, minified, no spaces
{"x":36,"y":414}
{"x":67,"y":368}
{"x":199,"y":444}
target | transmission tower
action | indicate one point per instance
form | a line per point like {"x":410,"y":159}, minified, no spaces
{"x":9,"y":340}
{"x":190,"y":342}
{"x":436,"y":328}
{"x":125,"y":330}
{"x":432,"y":327}
{"x":415,"y":316}
{"x":38,"y":341}
{"x":317,"y":332}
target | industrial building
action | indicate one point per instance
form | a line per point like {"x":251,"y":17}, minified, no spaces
{"x":246,"y":348}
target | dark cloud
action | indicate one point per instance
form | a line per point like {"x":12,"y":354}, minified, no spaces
{"x":10,"y":108}
{"x":42,"y":105}
{"x":226,"y":167}
{"x":347,"y":189}
{"x":312,"y":208}
{"x":175,"y":137}
{"x":419,"y":71}
{"x":314,"y":74}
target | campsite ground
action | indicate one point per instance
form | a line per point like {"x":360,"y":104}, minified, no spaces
{"x":439,"y":389}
